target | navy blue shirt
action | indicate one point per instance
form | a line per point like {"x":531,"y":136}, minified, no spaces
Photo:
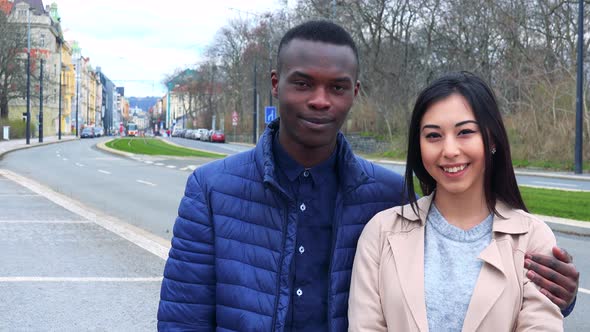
{"x":315,"y":191}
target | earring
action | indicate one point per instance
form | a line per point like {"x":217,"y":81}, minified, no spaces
{"x":493,"y":150}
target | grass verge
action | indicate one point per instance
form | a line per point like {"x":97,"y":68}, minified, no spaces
{"x":551,"y":202}
{"x":557,"y":203}
{"x":152,"y":146}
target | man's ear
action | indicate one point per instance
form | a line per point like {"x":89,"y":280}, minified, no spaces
{"x":357,"y":87}
{"x":274,"y":81}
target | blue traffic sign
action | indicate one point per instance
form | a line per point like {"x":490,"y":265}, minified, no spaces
{"x":270,"y":113}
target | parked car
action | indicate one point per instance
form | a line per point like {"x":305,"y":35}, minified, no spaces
{"x":200,"y":132}
{"x":98,"y":132}
{"x":87,"y":133}
{"x":218,"y":136}
{"x":190,"y":134}
{"x":176,"y":132}
{"x":207,"y":135}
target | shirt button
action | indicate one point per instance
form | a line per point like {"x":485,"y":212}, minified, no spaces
{"x":302,"y":207}
{"x":301,"y":250}
{"x":306,"y":173}
{"x":299,"y":292}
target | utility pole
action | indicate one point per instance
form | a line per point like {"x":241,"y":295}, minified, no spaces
{"x":77,"y":93}
{"x":28,"y":129}
{"x":255,"y":113}
{"x":269,"y":70}
{"x":41,"y":103}
{"x":580,"y":91}
{"x":59,"y":98}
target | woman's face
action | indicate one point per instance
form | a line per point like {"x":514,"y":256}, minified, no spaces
{"x":452,"y":147}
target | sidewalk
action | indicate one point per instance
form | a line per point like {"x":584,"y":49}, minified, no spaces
{"x":21,"y":143}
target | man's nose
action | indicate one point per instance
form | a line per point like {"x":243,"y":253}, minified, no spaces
{"x":320,"y":99}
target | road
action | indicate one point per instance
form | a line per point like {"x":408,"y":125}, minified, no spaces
{"x":144,"y":192}
{"x":527,"y":180}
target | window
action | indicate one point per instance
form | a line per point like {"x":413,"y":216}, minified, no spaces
{"x":42,"y":40}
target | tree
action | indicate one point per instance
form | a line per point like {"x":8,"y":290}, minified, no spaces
{"x":12,"y":63}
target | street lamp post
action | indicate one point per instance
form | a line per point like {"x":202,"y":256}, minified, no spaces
{"x":41,"y":103}
{"x":579,"y":91}
{"x":77,"y":93}
{"x":59,"y":97}
{"x":28,"y":129}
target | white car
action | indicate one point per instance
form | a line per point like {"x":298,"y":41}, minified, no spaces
{"x":200,"y":133}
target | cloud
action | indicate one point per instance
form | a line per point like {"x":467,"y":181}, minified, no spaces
{"x":137,"y":42}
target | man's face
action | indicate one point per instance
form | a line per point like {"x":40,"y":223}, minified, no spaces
{"x":315,"y":86}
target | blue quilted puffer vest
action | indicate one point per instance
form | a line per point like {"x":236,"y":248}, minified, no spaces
{"x":234,"y":240}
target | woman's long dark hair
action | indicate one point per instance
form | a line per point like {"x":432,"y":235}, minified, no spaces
{"x":499,"y":178}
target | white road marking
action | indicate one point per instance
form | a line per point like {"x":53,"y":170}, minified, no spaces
{"x":78,"y":164}
{"x":142,"y":238}
{"x":159,"y":164}
{"x":148,"y":161}
{"x":170,"y":166}
{"x":192,"y":167}
{"x":45,"y":221}
{"x":19,"y":195}
{"x":584,"y":290}
{"x":78,"y":279}
{"x":146,"y":182}
{"x":104,"y":172}
{"x":557,"y":184}
{"x":65,"y":159}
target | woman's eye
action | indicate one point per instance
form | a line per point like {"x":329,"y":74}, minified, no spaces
{"x":432,"y":135}
{"x":466,"y":132}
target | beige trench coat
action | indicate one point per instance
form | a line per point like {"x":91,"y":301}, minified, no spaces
{"x":387,"y":287}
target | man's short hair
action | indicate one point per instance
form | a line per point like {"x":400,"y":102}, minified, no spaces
{"x":320,"y":31}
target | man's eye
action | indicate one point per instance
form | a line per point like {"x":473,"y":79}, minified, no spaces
{"x":301,"y":84}
{"x":339,"y":88}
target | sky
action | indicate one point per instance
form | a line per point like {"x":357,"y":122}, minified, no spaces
{"x":138,"y":42}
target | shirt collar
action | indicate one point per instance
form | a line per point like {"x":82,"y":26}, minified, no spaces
{"x":293,"y":169}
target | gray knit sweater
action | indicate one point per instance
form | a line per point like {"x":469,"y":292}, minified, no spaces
{"x":451,"y":268}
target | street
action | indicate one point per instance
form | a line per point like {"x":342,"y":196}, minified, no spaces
{"x":64,"y":269}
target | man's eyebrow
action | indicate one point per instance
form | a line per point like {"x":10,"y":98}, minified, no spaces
{"x":301,"y":74}
{"x":343,"y":80}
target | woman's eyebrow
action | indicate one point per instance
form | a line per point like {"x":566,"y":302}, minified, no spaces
{"x":459,"y":124}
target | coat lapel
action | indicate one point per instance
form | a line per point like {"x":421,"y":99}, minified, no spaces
{"x":410,"y":271}
{"x":490,"y":285}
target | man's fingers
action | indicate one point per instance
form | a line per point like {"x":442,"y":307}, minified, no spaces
{"x":555,"y":293}
{"x":560,"y":303}
{"x":549,"y":277}
{"x":552,"y":263}
{"x":562,"y":255}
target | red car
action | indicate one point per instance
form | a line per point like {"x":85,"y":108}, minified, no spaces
{"x":218,"y":136}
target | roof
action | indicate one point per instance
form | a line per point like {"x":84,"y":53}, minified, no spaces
{"x":37,"y":5}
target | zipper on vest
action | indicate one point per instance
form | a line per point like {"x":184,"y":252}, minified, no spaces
{"x":278,"y":291}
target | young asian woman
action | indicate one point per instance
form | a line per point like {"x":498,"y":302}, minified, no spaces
{"x":453,"y":260}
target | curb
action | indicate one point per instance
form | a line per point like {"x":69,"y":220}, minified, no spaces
{"x":190,"y":148}
{"x":103,"y":146}
{"x":517,"y":172}
{"x":568,"y":226}
{"x":23,"y":147}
